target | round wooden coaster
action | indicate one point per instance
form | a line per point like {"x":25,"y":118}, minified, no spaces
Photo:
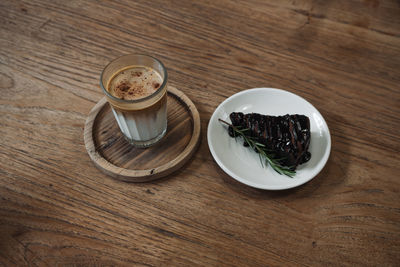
{"x":113,"y":155}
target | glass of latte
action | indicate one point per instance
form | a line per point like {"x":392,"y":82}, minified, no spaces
{"x":136,"y":88}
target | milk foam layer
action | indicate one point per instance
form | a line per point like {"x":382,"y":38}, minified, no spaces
{"x":134,"y":82}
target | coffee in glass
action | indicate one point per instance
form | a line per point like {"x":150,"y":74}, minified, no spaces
{"x":136,"y":88}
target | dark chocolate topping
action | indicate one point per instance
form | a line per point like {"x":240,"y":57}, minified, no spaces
{"x":287,"y":137}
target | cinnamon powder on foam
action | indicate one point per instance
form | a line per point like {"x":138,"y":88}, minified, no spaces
{"x":134,"y":82}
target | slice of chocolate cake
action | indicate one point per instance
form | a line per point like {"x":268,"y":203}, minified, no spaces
{"x":286,"y":137}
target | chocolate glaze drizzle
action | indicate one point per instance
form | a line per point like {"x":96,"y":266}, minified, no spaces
{"x":287,"y":137}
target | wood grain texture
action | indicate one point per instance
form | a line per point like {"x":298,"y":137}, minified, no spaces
{"x":114,"y":156}
{"x":57,"y":209}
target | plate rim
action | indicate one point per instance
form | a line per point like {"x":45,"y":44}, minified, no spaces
{"x":250,"y":183}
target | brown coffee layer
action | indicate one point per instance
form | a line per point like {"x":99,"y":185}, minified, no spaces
{"x":147,"y":109}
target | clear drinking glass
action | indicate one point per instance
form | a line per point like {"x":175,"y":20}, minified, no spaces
{"x":143,"y":121}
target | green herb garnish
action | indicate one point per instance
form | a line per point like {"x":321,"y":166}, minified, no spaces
{"x":262,"y":151}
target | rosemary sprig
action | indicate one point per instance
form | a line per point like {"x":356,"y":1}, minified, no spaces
{"x":262,"y":151}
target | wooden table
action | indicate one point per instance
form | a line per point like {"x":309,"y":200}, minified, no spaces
{"x":57,"y":209}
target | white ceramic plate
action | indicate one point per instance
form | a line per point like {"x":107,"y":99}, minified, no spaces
{"x":242,"y":163}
